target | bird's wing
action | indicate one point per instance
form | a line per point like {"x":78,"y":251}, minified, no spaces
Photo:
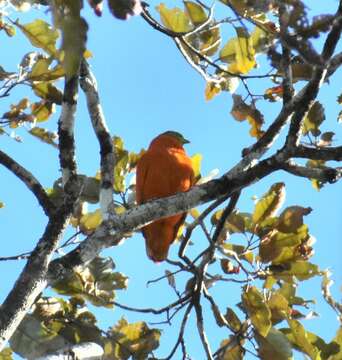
{"x":141,"y":176}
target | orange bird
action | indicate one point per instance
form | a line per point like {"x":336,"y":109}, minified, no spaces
{"x":163,"y":170}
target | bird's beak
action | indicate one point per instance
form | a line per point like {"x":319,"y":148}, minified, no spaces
{"x":185,"y":141}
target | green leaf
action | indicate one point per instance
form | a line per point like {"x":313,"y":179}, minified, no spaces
{"x":136,"y":340}
{"x":274,"y":346}
{"x":174,"y":19}
{"x":41,"y":35}
{"x":298,"y":336}
{"x":269,"y":203}
{"x":257,"y":310}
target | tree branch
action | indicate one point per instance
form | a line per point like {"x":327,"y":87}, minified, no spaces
{"x":29,"y":180}
{"x":32,"y":280}
{"x":320,"y":153}
{"x":66,"y":129}
{"x":312,"y":88}
{"x":89,"y":86}
{"x":324,"y":174}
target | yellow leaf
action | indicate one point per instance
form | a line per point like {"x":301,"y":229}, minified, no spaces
{"x":239,"y":53}
{"x":174,"y":19}
{"x":270,"y":203}
{"x":43,"y":110}
{"x":196,"y":164}
{"x":257,"y":310}
{"x":41,"y":72}
{"x":44,"y":135}
{"x":211,"y":90}
{"x":195,"y":12}
{"x":90,"y":221}
{"x":41,"y":35}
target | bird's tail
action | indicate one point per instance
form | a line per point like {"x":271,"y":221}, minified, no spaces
{"x":159,"y":235}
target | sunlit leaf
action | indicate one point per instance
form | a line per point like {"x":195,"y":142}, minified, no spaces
{"x":42,"y":110}
{"x":90,"y":221}
{"x":41,"y":35}
{"x":269,"y":203}
{"x":41,"y":71}
{"x":211,"y":90}
{"x":136,"y":340}
{"x":257,"y":309}
{"x":195,"y":12}
{"x":298,"y":336}
{"x":174,"y":19}
{"x":239,"y":53}
{"x":45,"y":136}
{"x":196,"y":165}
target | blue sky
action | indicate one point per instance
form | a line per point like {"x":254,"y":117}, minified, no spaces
{"x":146,"y":88}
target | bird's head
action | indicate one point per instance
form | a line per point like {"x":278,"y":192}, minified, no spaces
{"x":170,"y":139}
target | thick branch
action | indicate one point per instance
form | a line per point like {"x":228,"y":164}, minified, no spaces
{"x":318,"y":77}
{"x":32,"y":280}
{"x":324,"y":174}
{"x":322,"y":153}
{"x":29,"y":180}
{"x":89,"y":86}
{"x":66,"y":129}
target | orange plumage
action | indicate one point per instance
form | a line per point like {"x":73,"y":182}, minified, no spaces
{"x":164,"y":170}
